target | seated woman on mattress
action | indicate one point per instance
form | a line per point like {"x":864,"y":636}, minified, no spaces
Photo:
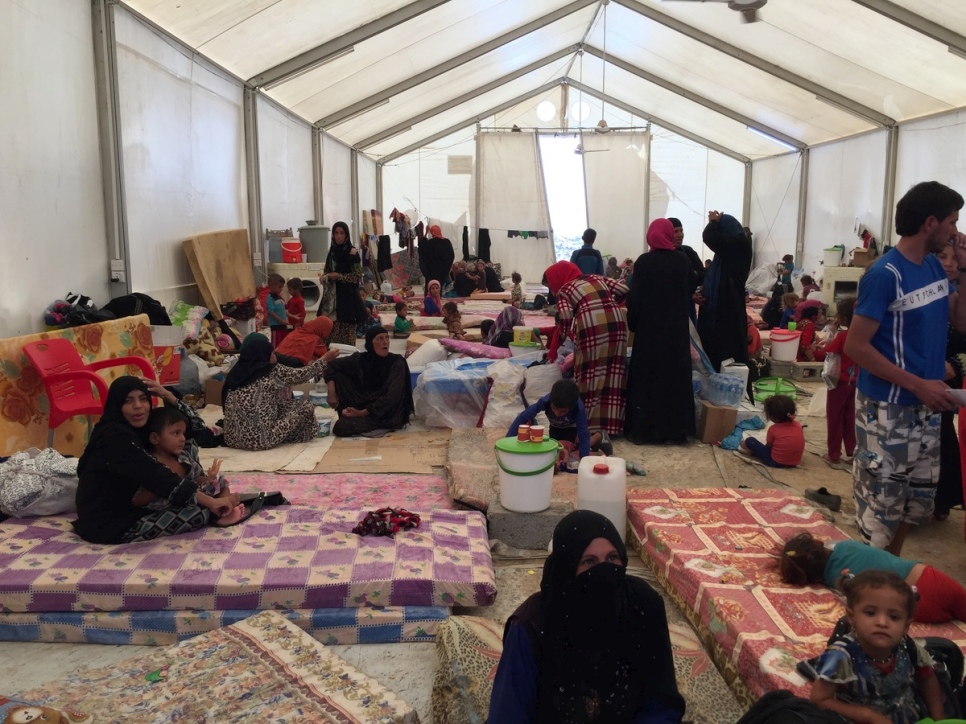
{"x":260,"y":412}
{"x":593,"y":644}
{"x":116,"y":468}
{"x":370,"y":391}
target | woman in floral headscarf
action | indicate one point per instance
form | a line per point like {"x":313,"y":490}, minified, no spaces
{"x":588,"y":311}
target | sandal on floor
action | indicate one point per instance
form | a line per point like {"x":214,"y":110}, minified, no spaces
{"x":823,"y":497}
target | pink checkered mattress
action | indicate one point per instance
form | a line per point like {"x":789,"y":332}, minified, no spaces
{"x":715,"y":551}
{"x":348,"y":491}
{"x":292,"y":557}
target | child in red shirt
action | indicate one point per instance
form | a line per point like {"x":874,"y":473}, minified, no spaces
{"x":295,"y":307}
{"x":785,"y":442}
{"x":840,"y":403}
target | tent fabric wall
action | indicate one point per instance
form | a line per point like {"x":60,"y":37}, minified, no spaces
{"x":932,"y":149}
{"x":688,"y":180}
{"x":51,"y":205}
{"x":366,"y":175}
{"x":284,"y":167}
{"x":337,"y":183}
{"x":846,"y":180}
{"x":615,"y":176}
{"x":513,"y":197}
{"x":775,"y":198}
{"x":183,"y":151}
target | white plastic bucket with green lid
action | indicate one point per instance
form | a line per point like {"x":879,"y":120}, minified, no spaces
{"x":521,"y":348}
{"x":526,"y":473}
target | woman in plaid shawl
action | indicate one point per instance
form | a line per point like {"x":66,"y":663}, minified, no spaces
{"x":588,"y":312}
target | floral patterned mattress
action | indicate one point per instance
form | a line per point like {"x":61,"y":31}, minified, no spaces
{"x":257,"y":670}
{"x":292,"y":557}
{"x":365,"y":625}
{"x":715,"y":551}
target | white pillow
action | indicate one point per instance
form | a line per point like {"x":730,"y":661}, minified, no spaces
{"x":431,"y":351}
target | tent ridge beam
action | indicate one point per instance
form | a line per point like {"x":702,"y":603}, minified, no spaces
{"x":300,"y":62}
{"x":694,"y":97}
{"x":384,"y":95}
{"x":465,"y":97}
{"x":476,"y":118}
{"x":660,"y":122}
{"x":826,"y":94}
{"x":917,"y":23}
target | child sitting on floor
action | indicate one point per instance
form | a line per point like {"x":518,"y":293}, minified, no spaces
{"x":453,"y":320}
{"x":805,"y":559}
{"x":296,"y":304}
{"x":785,"y":442}
{"x":517,"y":297}
{"x":790,"y":302}
{"x":402,"y":326}
{"x":568,"y":421}
{"x":874,"y":672}
{"x":166,"y":428}
{"x":372,"y":314}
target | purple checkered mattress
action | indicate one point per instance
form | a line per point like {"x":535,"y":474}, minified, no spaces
{"x":292,"y":557}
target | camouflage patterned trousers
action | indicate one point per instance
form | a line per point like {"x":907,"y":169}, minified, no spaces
{"x":896,"y":467}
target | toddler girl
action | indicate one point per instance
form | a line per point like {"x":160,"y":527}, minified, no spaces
{"x":516,"y":291}
{"x":840,"y":403}
{"x":805,"y":559}
{"x":452,"y":318}
{"x":872,"y":674}
{"x":790,"y":302}
{"x":785,"y":442}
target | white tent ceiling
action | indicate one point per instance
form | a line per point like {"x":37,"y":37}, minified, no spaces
{"x":386,"y":76}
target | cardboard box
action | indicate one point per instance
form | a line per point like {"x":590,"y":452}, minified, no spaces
{"x":213,"y":391}
{"x":861,"y":257}
{"x":715,"y":423}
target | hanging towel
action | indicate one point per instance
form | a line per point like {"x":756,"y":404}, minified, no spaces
{"x":483,"y":245}
{"x":385,"y":253}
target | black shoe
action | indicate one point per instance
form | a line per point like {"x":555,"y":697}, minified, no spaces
{"x":824,"y":497}
{"x":605,"y":445}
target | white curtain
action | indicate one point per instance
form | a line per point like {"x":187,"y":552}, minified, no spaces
{"x":337,"y":183}
{"x":615,"y":173}
{"x":513,"y":198}
{"x":775,"y":198}
{"x":285,"y":168}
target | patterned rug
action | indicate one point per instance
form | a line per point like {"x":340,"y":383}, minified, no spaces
{"x":351,"y":490}
{"x":261,"y":669}
{"x":709,"y":700}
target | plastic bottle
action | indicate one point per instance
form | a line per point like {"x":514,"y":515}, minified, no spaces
{"x":602,"y":487}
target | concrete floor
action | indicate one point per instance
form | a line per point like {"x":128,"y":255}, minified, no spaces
{"x":408,"y":669}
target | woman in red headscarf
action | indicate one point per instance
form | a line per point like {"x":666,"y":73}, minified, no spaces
{"x":306,"y":343}
{"x":659,"y":398}
{"x":588,"y":312}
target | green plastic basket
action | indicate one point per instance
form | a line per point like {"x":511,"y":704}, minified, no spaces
{"x":768,"y":386}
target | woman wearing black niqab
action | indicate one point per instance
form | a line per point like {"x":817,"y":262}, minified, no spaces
{"x":593,"y":644}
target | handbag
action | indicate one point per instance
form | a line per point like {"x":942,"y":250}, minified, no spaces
{"x":832,"y":370}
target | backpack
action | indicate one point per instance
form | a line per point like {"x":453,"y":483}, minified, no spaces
{"x":949,"y":666}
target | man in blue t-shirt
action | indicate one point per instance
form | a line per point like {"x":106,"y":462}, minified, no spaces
{"x":898,"y":339}
{"x":587,"y":257}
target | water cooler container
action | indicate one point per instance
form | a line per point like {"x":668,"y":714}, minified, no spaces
{"x":315,"y":241}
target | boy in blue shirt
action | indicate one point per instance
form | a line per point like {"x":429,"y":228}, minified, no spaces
{"x":568,"y":419}
{"x":587,"y":257}
{"x":898,"y":340}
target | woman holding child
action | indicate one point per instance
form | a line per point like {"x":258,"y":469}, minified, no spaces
{"x":259,"y":411}
{"x":119,"y":477}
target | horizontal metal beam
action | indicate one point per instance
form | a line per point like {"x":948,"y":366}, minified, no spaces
{"x":476,"y":92}
{"x":469,"y":121}
{"x":413,"y":81}
{"x":654,"y":119}
{"x":300,"y":62}
{"x":916,"y":22}
{"x":694,"y":97}
{"x":844,"y":102}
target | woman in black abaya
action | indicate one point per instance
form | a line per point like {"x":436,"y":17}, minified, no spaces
{"x":659,"y":395}
{"x":593,"y":644}
{"x":343,"y":267}
{"x":723,"y":321}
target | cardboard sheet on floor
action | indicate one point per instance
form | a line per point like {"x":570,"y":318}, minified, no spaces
{"x":400,"y":452}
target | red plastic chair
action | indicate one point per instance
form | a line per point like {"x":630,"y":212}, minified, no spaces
{"x":71,"y":384}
